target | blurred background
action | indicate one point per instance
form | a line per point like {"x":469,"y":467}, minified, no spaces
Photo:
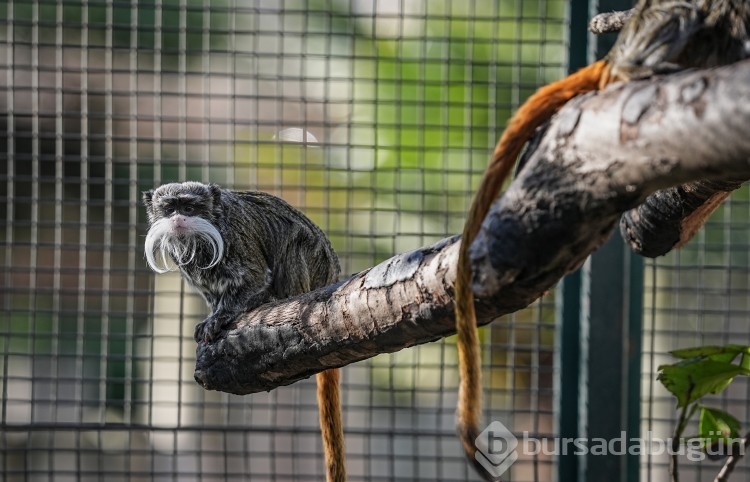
{"x":375,"y":118}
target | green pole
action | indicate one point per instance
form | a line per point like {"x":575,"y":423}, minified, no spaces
{"x":568,"y":297}
{"x":599,"y":327}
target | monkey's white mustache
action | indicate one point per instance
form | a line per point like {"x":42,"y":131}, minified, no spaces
{"x":181,"y":245}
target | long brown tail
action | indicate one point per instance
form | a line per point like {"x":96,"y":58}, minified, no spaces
{"x":331,"y":425}
{"x":533,"y":113}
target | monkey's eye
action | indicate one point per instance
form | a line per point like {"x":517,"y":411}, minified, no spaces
{"x":188,"y":209}
{"x":168,"y":207}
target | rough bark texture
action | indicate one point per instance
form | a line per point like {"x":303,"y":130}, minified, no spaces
{"x":401,"y":302}
{"x":601,"y":156}
{"x":669,"y":218}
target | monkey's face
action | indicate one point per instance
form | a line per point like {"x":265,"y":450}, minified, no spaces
{"x":181,"y":228}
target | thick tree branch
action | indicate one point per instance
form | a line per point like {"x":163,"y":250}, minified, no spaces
{"x":602,"y":155}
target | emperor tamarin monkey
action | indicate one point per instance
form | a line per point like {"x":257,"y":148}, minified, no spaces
{"x":240,"y":250}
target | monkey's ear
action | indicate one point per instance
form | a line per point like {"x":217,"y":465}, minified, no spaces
{"x":148,"y":196}
{"x":215,"y":191}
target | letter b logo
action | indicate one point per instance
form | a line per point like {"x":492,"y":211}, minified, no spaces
{"x":496,"y":449}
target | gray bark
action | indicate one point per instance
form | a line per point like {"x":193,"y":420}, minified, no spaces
{"x":602,"y":155}
{"x":669,"y":218}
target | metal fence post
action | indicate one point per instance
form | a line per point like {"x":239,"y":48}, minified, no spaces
{"x":599,"y":328}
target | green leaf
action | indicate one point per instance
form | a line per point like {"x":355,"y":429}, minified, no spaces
{"x":717,"y":424}
{"x":745,"y":361}
{"x":691,"y":379}
{"x":725,"y":353}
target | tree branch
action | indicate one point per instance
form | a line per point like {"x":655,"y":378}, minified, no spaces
{"x":728,"y":468}
{"x":602,"y":155}
{"x":669,"y":218}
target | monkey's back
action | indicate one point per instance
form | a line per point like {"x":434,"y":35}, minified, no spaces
{"x":295,"y":249}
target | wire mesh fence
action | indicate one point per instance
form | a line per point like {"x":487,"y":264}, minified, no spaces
{"x":376,"y":120}
{"x":697,"y":296}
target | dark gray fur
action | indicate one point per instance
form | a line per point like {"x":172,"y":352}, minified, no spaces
{"x":664,"y":36}
{"x":272,"y":251}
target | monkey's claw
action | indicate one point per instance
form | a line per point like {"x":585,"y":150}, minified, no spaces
{"x":209,"y":329}
{"x":204,"y":331}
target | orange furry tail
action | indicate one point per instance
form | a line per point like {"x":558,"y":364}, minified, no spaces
{"x":329,"y":409}
{"x":532,"y":114}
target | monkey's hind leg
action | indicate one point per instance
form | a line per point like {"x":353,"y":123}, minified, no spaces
{"x":232,"y":305}
{"x":209,"y":329}
{"x":331,"y":427}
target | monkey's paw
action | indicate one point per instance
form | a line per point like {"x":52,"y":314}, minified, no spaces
{"x":209,"y":329}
